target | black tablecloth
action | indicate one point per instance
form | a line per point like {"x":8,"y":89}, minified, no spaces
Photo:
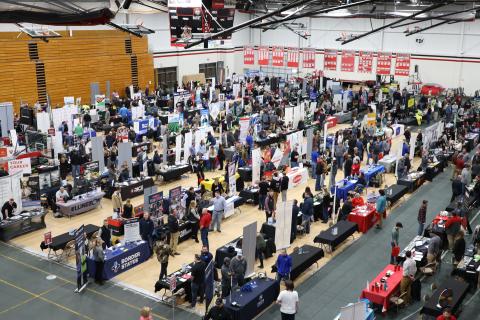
{"x":145,"y":146}
{"x":60,"y":241}
{"x":249,"y":195}
{"x":268,"y":230}
{"x":439,"y":232}
{"x":254,"y":302}
{"x":433,"y":170}
{"x":303,"y":261}
{"x":186,"y":285}
{"x":344,"y":230}
{"x":174,"y":173}
{"x":459,"y":289}
{"x":412,"y":184}
{"x":224,"y":251}
{"x":136,"y":188}
{"x":468,"y":272}
{"x":397,"y":191}
{"x":421,"y":248}
{"x":245,"y":173}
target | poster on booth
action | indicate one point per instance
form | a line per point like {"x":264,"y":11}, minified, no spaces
{"x":173,"y":122}
{"x":277,"y":157}
{"x":30,"y":191}
{"x":132,"y":230}
{"x":256,"y":163}
{"x":244,"y":124}
{"x":80,"y":258}
{"x":100,"y":102}
{"x":90,"y":170}
{"x":229,"y":209}
{"x":204,"y":121}
{"x":20,"y":165}
{"x":155,"y":204}
{"x":371,"y":119}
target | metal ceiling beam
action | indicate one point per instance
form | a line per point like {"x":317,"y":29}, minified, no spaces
{"x":433,"y":18}
{"x":430,"y":8}
{"x":314,"y":12}
{"x":248,"y":23}
{"x":431,"y":27}
{"x":116,"y":26}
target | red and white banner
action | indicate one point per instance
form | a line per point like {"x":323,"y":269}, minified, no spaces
{"x":248,"y":55}
{"x":293,"y":56}
{"x":365,"y":61}
{"x":309,"y":58}
{"x":263,"y":56}
{"x":330,"y":60}
{"x":24,"y":165}
{"x":384,"y":63}
{"x":402,"y":65}
{"x":277,"y":56}
{"x":348,"y":61}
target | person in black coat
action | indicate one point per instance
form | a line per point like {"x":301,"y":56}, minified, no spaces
{"x":346,"y":209}
{"x":146,"y":230}
{"x":457,"y":188}
{"x":105,"y":234}
{"x":348,"y":166}
{"x":174,"y":230}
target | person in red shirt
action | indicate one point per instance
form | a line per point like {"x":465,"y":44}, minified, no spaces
{"x":452,"y":227}
{"x":356,"y":168}
{"x":358,"y":201}
{"x":205,"y":221}
{"x":447,"y":315}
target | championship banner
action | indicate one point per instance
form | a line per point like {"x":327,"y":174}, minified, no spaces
{"x":263,"y":56}
{"x":365,"y":62}
{"x":248,"y":55}
{"x":309,"y":58}
{"x":402,"y":65}
{"x":384,"y":63}
{"x":185,"y":21}
{"x":293,"y":56}
{"x":348,"y":61}
{"x":330,"y":60}
{"x":277,"y":56}
{"x":80,"y":258}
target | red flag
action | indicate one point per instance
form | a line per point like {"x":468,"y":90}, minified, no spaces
{"x":402,"y":65}
{"x":384,"y":63}
{"x":277,"y":56}
{"x":330,"y":60}
{"x":365,"y":61}
{"x":248,"y":55}
{"x":263,"y":56}
{"x":309,"y":58}
{"x":293,"y":56}
{"x":348,"y":61}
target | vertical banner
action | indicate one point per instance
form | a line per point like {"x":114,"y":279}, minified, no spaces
{"x":249,"y":245}
{"x":293,"y":56}
{"x":309,"y":143}
{"x":365,"y":61}
{"x":232,"y":181}
{"x":277,"y":56}
{"x":348,"y":61}
{"x":131,"y":229}
{"x":413,"y":140}
{"x":155,"y":204}
{"x":263,"y":56}
{"x":175,"y":196}
{"x":256,"y":163}
{"x":330,"y":60}
{"x":402,"y":65}
{"x":384,"y":63}
{"x":283,"y":225}
{"x":178,"y":148}
{"x":186,"y":146}
{"x":80,"y":258}
{"x":309,"y":58}
{"x":244,"y":124}
{"x":164,"y":149}
{"x":146,"y":196}
{"x":209,"y":283}
{"x":248,"y":55}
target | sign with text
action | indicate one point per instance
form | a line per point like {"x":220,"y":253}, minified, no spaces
{"x":309,"y":58}
{"x":402,"y":65}
{"x":330,"y":60}
{"x":277,"y":56}
{"x":132,"y":230}
{"x":24,"y":165}
{"x":263,"y":56}
{"x":47,"y":238}
{"x":293,"y":56}
{"x":384,"y":63}
{"x":248,"y":55}
{"x":365,"y":62}
{"x":348,"y":61}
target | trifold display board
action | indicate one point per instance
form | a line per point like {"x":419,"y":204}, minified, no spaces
{"x":283,"y":225}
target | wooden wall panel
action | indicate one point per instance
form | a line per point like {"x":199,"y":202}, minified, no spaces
{"x":71,"y":64}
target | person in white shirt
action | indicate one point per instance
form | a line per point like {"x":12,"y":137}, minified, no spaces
{"x":288,"y":301}
{"x":409,"y":271}
{"x":61,"y":195}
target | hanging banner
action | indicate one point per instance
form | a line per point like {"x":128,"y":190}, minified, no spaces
{"x":384,"y":63}
{"x":365,"y":62}
{"x":256,"y":163}
{"x":330,"y":60}
{"x":80,"y":258}
{"x":293,"y":56}
{"x":402,"y":65}
{"x":248,"y":55}
{"x":277,"y":56}
{"x":309,"y":58}
{"x":263,"y":56}
{"x":348,"y":61}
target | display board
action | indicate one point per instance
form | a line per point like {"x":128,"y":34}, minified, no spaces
{"x":293,"y":56}
{"x":30,"y":190}
{"x":256,"y":164}
{"x":186,"y":146}
{"x":283,"y":224}
{"x":263,"y":55}
{"x":249,"y":242}
{"x":348,"y":61}
{"x":80,"y":258}
{"x":330,"y":60}
{"x":131,"y":230}
{"x":125,"y":156}
{"x":23,"y":166}
{"x":384,"y":63}
{"x":402,"y":65}
{"x":49,"y":179}
{"x":155,"y":204}
{"x":248,"y":55}
{"x":178,"y":149}
{"x":90,"y":170}
{"x":309,"y":58}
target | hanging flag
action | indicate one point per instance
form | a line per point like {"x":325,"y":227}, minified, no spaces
{"x":293,"y":56}
{"x":402,"y":65}
{"x":365,"y":61}
{"x":330,"y":60}
{"x":348,"y":61}
{"x":277,"y":56}
{"x":248,"y":55}
{"x":263,"y":56}
{"x":384,"y":63}
{"x":309,"y":58}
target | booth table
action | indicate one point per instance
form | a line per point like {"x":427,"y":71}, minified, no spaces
{"x":389,"y":162}
{"x":395,"y":192}
{"x":183,"y":282}
{"x":60,"y":241}
{"x":81,"y":204}
{"x":303,"y":258}
{"x":297,"y":176}
{"x":459,"y":290}
{"x":372,"y":171}
{"x":412,"y":181}
{"x":382,"y":297}
{"x":471,"y":140}
{"x":344,"y":230}
{"x":245,"y":173}
{"x":250,"y":304}
{"x":237,"y":202}
{"x":343,"y":117}
{"x":135,"y":188}
{"x":145,"y":146}
{"x":174,"y":172}
{"x":468,"y":269}
{"x":119,"y":259}
{"x":250,"y":195}
{"x":22,"y":223}
{"x":209,"y":182}
{"x":229,"y":250}
{"x":433,"y":169}
{"x":343,"y":187}
{"x":419,"y":248}
{"x":365,"y":217}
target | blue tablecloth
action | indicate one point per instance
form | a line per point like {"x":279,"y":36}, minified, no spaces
{"x":87,"y":134}
{"x":254,"y":302}
{"x":343,"y":187}
{"x":120,"y":260}
{"x":372,"y":171}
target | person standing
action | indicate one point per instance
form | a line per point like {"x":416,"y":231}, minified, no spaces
{"x":262,"y":193}
{"x":381,"y":207}
{"x":163,"y":252}
{"x":284,"y":266}
{"x":198,"y":280}
{"x":275,"y":186}
{"x":294,"y":157}
{"x":307,"y":211}
{"x":205,"y":221}
{"x":105,"y":234}
{"x":319,"y":174}
{"x":127,"y":212}
{"x":288,"y":301}
{"x":269,"y":206}
{"x":261,"y":247}
{"x":219,"y":205}
{"x":146,"y":230}
{"x":458,"y":248}
{"x":174,"y":230}
{"x":99,"y":258}
{"x":238,"y":267}
{"x":284,"y":186}
{"x":218,"y":312}
{"x":117,"y":202}
{"x":457,"y":188}
{"x":394,"y":241}
{"x":226,"y":277}
{"x":409,"y":271}
{"x":194,"y":219}
{"x":452,"y":227}
{"x":422,"y":216}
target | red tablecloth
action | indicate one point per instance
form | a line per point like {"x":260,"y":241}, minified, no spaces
{"x":365,"y":220}
{"x":439,"y":218}
{"x":382,"y":297}
{"x":332,"y":122}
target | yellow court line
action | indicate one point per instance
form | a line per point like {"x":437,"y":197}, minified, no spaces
{"x":37,"y":296}
{"x":74,"y":283}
